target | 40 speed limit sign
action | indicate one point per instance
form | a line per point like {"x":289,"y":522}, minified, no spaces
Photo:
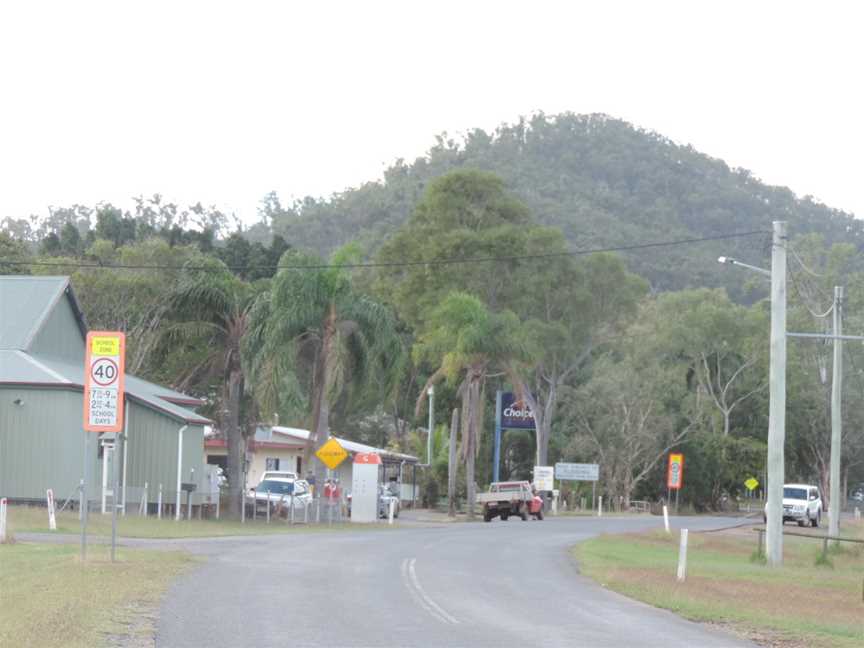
{"x":104,"y":379}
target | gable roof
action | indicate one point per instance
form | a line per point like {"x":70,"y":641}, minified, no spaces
{"x":25,"y":305}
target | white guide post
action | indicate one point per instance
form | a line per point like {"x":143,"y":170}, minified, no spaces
{"x":666,"y":517}
{"x":682,"y":557}
{"x":2,"y":520}
{"x":600,"y":506}
{"x":52,"y":519}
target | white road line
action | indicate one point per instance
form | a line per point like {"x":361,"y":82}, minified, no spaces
{"x":416,"y":595}
{"x":448,"y":618}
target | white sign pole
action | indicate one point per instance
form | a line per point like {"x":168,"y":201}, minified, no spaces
{"x":52,"y":520}
{"x":2,"y":520}
{"x":666,"y":517}
{"x":682,"y":557}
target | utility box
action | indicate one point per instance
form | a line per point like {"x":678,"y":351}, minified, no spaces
{"x":364,"y":487}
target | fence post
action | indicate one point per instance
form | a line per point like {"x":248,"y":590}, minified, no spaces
{"x":142,"y":509}
{"x":682,"y":557}
{"x":666,"y":517}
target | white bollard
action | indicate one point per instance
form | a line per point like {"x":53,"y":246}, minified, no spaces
{"x":52,"y":520}
{"x":2,"y":520}
{"x":554,"y":506}
{"x":159,"y":504}
{"x":857,"y":513}
{"x":390,"y":513}
{"x":682,"y":557}
{"x":600,"y":506}
{"x":666,"y":517}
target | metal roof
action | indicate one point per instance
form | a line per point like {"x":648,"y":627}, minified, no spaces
{"x":25,"y":303}
{"x":264,"y":434}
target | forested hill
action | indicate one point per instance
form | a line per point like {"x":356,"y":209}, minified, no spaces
{"x":603,"y":182}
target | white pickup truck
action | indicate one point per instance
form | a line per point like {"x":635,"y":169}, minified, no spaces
{"x":510,"y":498}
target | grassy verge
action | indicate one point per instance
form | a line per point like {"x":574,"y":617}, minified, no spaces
{"x":800,"y":604}
{"x":48,"y":598}
{"x":34,"y":519}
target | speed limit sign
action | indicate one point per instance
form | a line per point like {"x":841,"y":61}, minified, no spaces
{"x":104,"y":381}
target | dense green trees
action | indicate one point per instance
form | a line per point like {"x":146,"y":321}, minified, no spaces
{"x":621,"y":356}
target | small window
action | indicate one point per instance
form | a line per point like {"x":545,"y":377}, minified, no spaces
{"x":271,"y":463}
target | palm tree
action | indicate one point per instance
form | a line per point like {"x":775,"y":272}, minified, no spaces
{"x":314,"y":339}
{"x":467,"y":341}
{"x":211,"y":313}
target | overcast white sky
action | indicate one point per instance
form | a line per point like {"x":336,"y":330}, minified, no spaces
{"x":224,"y":102}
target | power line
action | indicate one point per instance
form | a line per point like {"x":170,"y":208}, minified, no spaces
{"x":384,"y":264}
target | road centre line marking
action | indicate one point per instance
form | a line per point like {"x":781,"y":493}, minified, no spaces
{"x":412,"y":574}
{"x":415,"y":595}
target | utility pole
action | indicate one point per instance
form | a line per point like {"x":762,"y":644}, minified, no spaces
{"x":836,"y":415}
{"x":431,"y":393}
{"x":777,"y":399}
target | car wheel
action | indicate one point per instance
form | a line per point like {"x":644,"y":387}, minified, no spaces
{"x":504,"y":517}
{"x":487,"y":516}
{"x":524,"y":513}
{"x":815,"y":521}
{"x":540,"y":514}
{"x":801,"y":523}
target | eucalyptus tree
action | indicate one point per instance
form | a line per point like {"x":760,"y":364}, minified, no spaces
{"x":571,"y":307}
{"x":314,"y":339}
{"x":466,"y":341}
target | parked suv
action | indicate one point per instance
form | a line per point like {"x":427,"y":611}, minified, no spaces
{"x":802,"y":504}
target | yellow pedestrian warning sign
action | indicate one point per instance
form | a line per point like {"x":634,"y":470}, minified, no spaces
{"x":751,"y":483}
{"x":331,"y":453}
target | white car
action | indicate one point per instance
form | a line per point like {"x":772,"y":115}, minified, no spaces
{"x":802,"y":503}
{"x":279,"y":474}
{"x":281,"y":493}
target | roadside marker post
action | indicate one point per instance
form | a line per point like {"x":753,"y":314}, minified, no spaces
{"x":682,"y":557}
{"x":390,"y":514}
{"x":600,"y":506}
{"x":159,"y":504}
{"x":52,"y":520}
{"x":2,"y":520}
{"x":666,"y":517}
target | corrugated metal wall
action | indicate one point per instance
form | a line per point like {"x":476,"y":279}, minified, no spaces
{"x":42,"y":443}
{"x":42,"y":446}
{"x":152,"y":452}
{"x":60,"y":337}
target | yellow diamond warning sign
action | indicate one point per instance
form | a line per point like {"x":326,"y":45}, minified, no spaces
{"x":331,"y":453}
{"x":751,"y":483}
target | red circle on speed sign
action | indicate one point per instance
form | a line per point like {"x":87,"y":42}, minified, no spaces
{"x":104,"y":372}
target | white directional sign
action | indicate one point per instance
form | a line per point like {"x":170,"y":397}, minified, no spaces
{"x":104,"y":381}
{"x":544,"y":479}
{"x":577,"y":472}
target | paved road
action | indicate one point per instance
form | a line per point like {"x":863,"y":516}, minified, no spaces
{"x":497,"y":584}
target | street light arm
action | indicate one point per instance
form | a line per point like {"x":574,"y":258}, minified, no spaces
{"x":731,"y":261}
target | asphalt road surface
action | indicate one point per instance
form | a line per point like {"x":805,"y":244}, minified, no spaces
{"x":498,"y":584}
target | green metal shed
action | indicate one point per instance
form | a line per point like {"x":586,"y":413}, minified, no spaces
{"x":42,"y":441}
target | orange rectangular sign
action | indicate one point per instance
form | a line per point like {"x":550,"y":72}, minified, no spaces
{"x":675,"y":472}
{"x":104,"y":381}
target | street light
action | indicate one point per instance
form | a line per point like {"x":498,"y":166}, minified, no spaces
{"x":777,"y":395}
{"x":431,"y":393}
